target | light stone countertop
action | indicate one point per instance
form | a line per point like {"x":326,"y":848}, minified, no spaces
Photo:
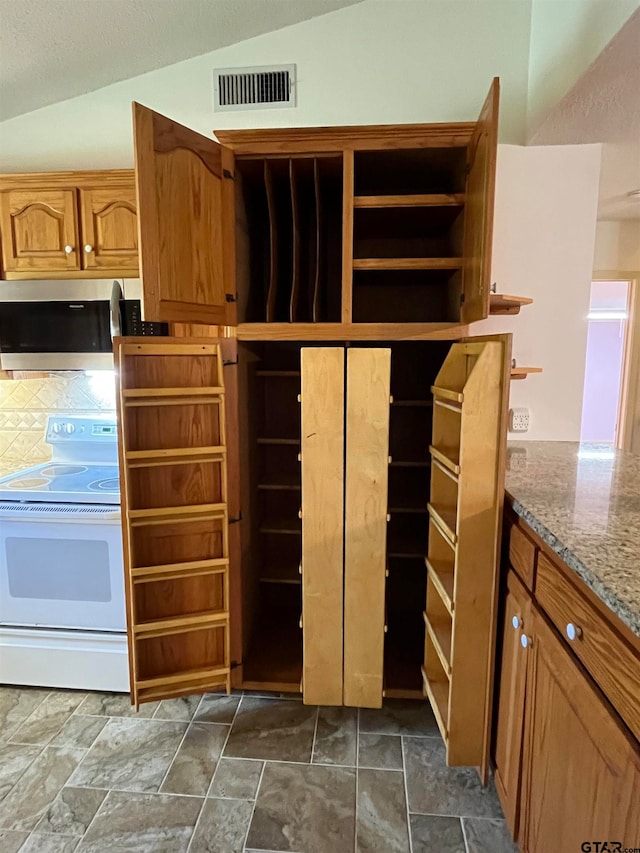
{"x":583,"y":500}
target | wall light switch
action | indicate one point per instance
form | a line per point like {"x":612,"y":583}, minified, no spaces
{"x":518,"y":420}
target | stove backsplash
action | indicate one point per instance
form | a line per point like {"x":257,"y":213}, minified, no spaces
{"x":25,"y":404}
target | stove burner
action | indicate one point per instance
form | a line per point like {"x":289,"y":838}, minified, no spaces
{"x":110,"y":485}
{"x":63,"y":470}
{"x":29,"y":483}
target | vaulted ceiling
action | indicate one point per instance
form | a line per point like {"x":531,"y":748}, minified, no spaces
{"x":51,"y":50}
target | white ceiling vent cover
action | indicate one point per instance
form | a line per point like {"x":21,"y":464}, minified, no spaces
{"x":261,"y":88}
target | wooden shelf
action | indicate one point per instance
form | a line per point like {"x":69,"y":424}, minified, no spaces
{"x":426,"y":404}
{"x":445,"y":460}
{"x":423,"y":200}
{"x":180,"y":682}
{"x":446,"y":394}
{"x":440,"y":633}
{"x":407,"y":263}
{"x":441,"y":574}
{"x":179,"y":624}
{"x":502,"y":303}
{"x":174,"y":456}
{"x":284,"y":374}
{"x":174,"y":571}
{"x":523,"y":372}
{"x":438,"y":693}
{"x":281,"y":483}
{"x":421,"y":510}
{"x":171,"y":396}
{"x":284,"y":526}
{"x":402,"y":464}
{"x":283,"y":441}
{"x":290,"y":581}
{"x":274,"y":659}
{"x":445,"y":521}
{"x":174,"y":514}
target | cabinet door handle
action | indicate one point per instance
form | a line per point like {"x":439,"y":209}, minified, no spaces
{"x":516,"y":622}
{"x":68,"y":249}
{"x":88,"y":248}
{"x":525,"y":641}
{"x":573,"y":631}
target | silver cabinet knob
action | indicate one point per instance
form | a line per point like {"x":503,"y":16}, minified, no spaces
{"x":88,"y":248}
{"x":573,"y":631}
{"x":516,"y":622}
{"x":525,"y":641}
{"x":68,"y":249}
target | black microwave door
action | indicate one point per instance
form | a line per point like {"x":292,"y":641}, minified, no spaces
{"x":40,"y":327}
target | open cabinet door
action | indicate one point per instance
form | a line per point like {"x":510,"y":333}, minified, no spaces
{"x":478,"y":216}
{"x":470,"y":397}
{"x":186,"y":203}
{"x":173,"y":470}
{"x":322,"y":460}
{"x":365,"y":564}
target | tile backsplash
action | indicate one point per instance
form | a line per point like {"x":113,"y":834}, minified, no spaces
{"x":25,"y":404}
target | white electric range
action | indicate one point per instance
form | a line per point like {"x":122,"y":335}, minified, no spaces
{"x":62,"y":606}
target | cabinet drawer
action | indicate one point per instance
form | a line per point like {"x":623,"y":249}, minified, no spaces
{"x":522,"y":555}
{"x":611,"y":662}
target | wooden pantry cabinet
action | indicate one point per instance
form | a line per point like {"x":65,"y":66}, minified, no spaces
{"x":68,"y":225}
{"x":378,"y":232}
{"x":566,"y":747}
{"x":313,"y":465}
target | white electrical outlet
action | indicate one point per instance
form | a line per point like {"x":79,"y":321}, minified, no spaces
{"x":516,"y":458}
{"x":518,"y":420}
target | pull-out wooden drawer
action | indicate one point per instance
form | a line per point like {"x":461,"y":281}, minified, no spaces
{"x":522,"y":555}
{"x":614,"y":665}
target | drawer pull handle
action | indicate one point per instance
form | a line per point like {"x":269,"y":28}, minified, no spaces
{"x":516,"y":622}
{"x":573,"y":631}
{"x":525,"y":641}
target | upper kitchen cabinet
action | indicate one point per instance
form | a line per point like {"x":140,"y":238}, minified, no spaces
{"x":312,"y":233}
{"x":186,"y":198}
{"x":40,"y":230}
{"x":109,"y":228}
{"x":68,"y":225}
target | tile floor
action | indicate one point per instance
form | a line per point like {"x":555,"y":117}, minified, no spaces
{"x":226,"y":774}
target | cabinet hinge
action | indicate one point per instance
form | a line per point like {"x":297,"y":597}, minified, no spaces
{"x":231,"y":297}
{"x":227,"y":174}
{"x":235,"y":664}
{"x":235,"y":520}
{"x":467,"y":168}
{"x":229,"y":363}
{"x":462,"y":299}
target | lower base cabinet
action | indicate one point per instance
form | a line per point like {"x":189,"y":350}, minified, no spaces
{"x":567,"y":768}
{"x":581,"y":780}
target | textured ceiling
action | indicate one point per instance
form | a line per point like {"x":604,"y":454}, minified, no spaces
{"x":604,"y":106}
{"x":51,"y":50}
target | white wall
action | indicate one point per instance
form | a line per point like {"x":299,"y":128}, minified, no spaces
{"x":544,"y":235}
{"x":382,"y":61}
{"x":617,"y":246}
{"x":566,"y":37}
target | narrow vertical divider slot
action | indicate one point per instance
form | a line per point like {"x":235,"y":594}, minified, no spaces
{"x":273,"y":245}
{"x":315,"y":307}
{"x":296,"y":245}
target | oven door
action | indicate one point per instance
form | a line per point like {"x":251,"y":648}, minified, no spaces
{"x":61,"y":567}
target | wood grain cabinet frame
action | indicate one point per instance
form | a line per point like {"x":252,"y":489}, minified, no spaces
{"x":379,"y":232}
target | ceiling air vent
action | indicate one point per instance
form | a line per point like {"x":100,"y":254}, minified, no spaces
{"x":267,"y":87}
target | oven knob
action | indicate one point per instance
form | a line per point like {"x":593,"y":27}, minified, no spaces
{"x":57,"y":428}
{"x":69,"y":428}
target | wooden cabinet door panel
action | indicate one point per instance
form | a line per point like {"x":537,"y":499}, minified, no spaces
{"x":175,"y":522}
{"x":511,"y":700}
{"x":322,"y":459}
{"x":478,"y":215}
{"x":582,"y":767}
{"x":367,"y":466}
{"x":186,"y":222}
{"x":109,"y":228}
{"x":39,"y":230}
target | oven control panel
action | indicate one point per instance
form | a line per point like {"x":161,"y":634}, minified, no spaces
{"x":65,"y":428}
